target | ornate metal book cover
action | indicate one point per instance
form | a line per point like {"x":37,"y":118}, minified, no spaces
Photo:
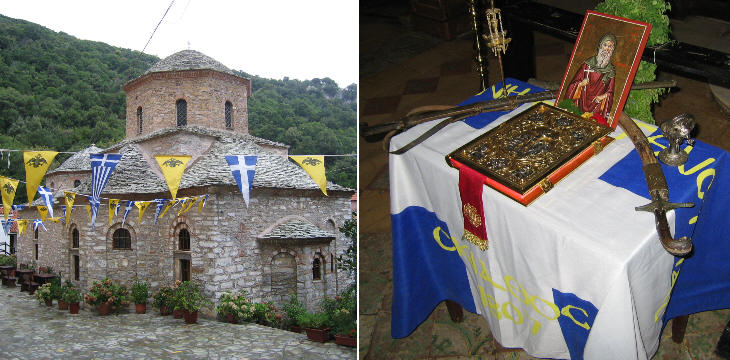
{"x":523,"y":151}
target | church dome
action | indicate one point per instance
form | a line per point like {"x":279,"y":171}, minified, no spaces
{"x":188,"y":60}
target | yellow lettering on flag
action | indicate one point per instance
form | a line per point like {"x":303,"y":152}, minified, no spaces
{"x":43,"y":211}
{"x":69,"y":197}
{"x":142,"y":206}
{"x":22,"y":224}
{"x":173,"y":167}
{"x":167,"y":207}
{"x":314,"y":166}
{"x":8,"y":187}
{"x":36,"y":165}
{"x":112,"y":206}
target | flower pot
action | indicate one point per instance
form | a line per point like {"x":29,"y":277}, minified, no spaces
{"x":140,"y":308}
{"x":73,"y":308}
{"x":164,"y":310}
{"x":104,"y":309}
{"x":231,"y":319}
{"x":296,"y":328}
{"x":49,"y":302}
{"x":345,"y":340}
{"x":191,"y":317}
{"x":62,"y":305}
{"x":177,"y":314}
{"x":318,"y":335}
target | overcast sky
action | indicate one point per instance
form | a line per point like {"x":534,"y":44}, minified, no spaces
{"x":271,"y":39}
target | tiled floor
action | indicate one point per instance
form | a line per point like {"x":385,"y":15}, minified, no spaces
{"x":402,"y":69}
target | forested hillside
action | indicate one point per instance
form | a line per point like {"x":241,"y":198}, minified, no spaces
{"x":61,"y":93}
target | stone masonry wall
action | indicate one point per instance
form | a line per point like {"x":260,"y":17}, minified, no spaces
{"x":225,"y":253}
{"x":204,"y":91}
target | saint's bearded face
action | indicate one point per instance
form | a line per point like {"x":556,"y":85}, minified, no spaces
{"x":605,"y":53}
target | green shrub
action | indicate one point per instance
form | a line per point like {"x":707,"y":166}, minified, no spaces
{"x":293,"y":309}
{"x":71,"y":295}
{"x":140,"y":291}
{"x":163,"y":297}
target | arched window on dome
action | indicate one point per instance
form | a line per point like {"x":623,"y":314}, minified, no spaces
{"x":229,"y":115}
{"x":139,"y":119}
{"x":182,"y":112}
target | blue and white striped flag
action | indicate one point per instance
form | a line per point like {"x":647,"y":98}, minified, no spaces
{"x":47,"y":196}
{"x":158,"y":208}
{"x":37,"y":222}
{"x":7,"y":225}
{"x":243,"y":168}
{"x":127,"y":209}
{"x":102,"y":166}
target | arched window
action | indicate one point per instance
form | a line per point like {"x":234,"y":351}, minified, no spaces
{"x":122,"y":239}
{"x":77,"y":182}
{"x":139,"y":119}
{"x":35,"y":234}
{"x":184,"y":240}
{"x":229,"y":115}
{"x":75,"y":238}
{"x":182,"y":112}
{"x":316,"y":269}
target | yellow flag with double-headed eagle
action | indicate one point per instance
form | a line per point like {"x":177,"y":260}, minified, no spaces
{"x":43,"y":211}
{"x":36,"y":165}
{"x":69,"y":197}
{"x":173,"y":167}
{"x":142,"y":206}
{"x":8,"y":187}
{"x":314,"y":166}
{"x":113,"y":205}
{"x":22,"y":224}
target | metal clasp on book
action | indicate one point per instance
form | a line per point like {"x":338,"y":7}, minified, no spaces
{"x":597,"y":147}
{"x":546,"y":185}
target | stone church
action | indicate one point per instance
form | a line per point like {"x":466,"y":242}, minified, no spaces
{"x":286,"y":241}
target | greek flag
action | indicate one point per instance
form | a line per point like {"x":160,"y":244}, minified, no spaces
{"x":102,"y":166}
{"x":243,"y":168}
{"x":7,"y":225}
{"x":158,"y":208}
{"x":127,"y":209}
{"x":47,"y":196}
{"x":37,"y":222}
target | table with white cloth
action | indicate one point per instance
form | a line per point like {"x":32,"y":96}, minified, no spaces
{"x":576,"y":274}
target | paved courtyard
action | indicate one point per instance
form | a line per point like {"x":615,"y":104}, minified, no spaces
{"x":33,"y":331}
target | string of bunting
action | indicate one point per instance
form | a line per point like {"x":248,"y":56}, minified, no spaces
{"x":102,"y":165}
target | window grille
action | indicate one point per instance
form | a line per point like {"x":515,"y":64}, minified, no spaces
{"x":184,"y":239}
{"x":122,"y":239}
{"x":229,"y":115}
{"x":182,"y":112}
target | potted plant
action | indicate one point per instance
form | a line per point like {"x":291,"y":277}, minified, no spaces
{"x":107,"y":296}
{"x":293,"y":309}
{"x":344,"y":318}
{"x":189,"y":299}
{"x":140,"y":293}
{"x":177,"y":310}
{"x":43,"y":294}
{"x":163,"y":300}
{"x":72,"y":296}
{"x":57,"y":290}
{"x":230,"y":307}
{"x":316,"y":325}
{"x":264,"y":313}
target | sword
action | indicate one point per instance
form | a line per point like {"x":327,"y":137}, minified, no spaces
{"x":658,"y":190}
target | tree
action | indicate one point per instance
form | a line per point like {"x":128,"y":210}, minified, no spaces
{"x":348,"y":260}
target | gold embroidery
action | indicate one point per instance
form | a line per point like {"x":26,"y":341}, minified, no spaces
{"x":482,"y":244}
{"x":472,"y":215}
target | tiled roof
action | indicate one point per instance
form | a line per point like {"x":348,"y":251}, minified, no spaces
{"x":134,"y":175}
{"x":79,"y":161}
{"x":188,"y":60}
{"x":296,"y":229}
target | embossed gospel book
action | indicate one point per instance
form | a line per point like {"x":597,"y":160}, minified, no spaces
{"x":525,"y":156}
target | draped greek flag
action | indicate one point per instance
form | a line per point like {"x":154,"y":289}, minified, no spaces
{"x":38,"y":222}
{"x":158,"y":208}
{"x":47,"y":197}
{"x":7,"y":225}
{"x":102,"y":166}
{"x":243,"y":168}
{"x":127,"y":209}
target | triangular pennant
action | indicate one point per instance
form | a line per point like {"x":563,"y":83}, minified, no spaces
{"x":314,"y":166}
{"x":94,"y":210}
{"x":55,"y":219}
{"x":22,"y":224}
{"x":69,"y":197}
{"x":102,"y":166}
{"x":183,"y":205}
{"x":201,"y":203}
{"x":8,"y":187}
{"x":43,"y":211}
{"x":142,"y":206}
{"x":243,"y":168}
{"x":7,"y":225}
{"x":127,"y":209}
{"x":189,"y":205}
{"x":158,"y":208}
{"x":47,"y":196}
{"x":167,"y":207}
{"x":88,"y":210}
{"x":38,"y":222}
{"x":36,"y":165}
{"x":113,"y":208}
{"x":173,"y":167}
